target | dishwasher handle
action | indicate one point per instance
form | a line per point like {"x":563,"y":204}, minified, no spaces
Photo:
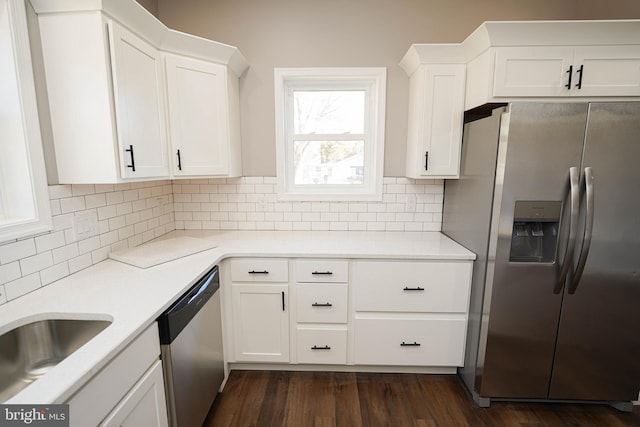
{"x":180,"y":313}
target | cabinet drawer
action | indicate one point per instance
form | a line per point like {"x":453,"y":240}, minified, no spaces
{"x":415,"y":342}
{"x":259,"y":270}
{"x":324,"y":346}
{"x":321,"y":303}
{"x":321,"y":270}
{"x":412,"y":286}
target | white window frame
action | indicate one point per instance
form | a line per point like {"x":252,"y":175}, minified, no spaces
{"x":370,"y":79}
{"x":25,"y":196}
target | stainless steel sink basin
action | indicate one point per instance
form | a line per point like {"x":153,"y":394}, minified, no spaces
{"x":30,"y":351}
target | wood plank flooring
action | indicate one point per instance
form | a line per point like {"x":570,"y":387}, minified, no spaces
{"x":299,"y":399}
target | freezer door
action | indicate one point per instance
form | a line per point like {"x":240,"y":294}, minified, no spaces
{"x":598,"y":349}
{"x":520,"y":319}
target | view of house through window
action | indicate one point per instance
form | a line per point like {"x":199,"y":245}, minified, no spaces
{"x":330,"y":133}
{"x":328,"y":139}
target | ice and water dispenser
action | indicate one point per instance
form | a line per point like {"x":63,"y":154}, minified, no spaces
{"x":535,"y":231}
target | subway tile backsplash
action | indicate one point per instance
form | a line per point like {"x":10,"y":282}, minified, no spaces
{"x":250,"y":203}
{"x":130,"y":214}
{"x":127,"y":215}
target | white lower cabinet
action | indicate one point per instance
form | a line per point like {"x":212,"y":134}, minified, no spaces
{"x":410,"y":341}
{"x":129,"y":391}
{"x":366,"y":312}
{"x":322,"y":345}
{"x":410,"y":313}
{"x":261,"y":322}
{"x":145,"y":405}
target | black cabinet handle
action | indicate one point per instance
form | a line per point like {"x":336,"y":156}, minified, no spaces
{"x":282,"y":300}
{"x":319,"y":273}
{"x":179,"y":161}
{"x":326,"y":347}
{"x":426,"y":160}
{"x":315,"y":304}
{"x":417,"y":288}
{"x":258,"y":272}
{"x":133,"y":161}
{"x":579,"y":85}
{"x":410,"y":344}
{"x":570,"y":72}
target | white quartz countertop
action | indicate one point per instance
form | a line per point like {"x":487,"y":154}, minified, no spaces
{"x":133,"y":297}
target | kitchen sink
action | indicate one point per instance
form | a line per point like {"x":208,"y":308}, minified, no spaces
{"x":30,"y":351}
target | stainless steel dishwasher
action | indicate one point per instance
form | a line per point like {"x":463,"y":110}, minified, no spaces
{"x":192,"y":356}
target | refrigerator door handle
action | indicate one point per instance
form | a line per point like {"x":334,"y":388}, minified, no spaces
{"x":574,"y":206}
{"x":588,"y":231}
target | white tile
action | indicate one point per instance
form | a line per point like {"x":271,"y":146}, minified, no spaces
{"x":376,"y":207}
{"x":375,"y":226}
{"x":3,"y":295}
{"x":301,"y":226}
{"x":79,"y":263}
{"x":301,"y":207}
{"x":219,"y":198}
{"x":124,"y":208}
{"x":82,"y":189}
{"x":265,"y":188}
{"x":130,"y":195}
{"x":245,"y":188}
{"x":265,"y":225}
{"x":220,"y":216}
{"x":283,"y":226}
{"x":311,"y":216}
{"x":339,"y":226}
{"x":228,"y":225}
{"x":65,"y":253}
{"x":320,"y":207}
{"x":329,"y":216}
{"x":50,"y":241}
{"x":405,"y":217}
{"x":36,"y":263}
{"x":253,"y":180}
{"x":247,"y":225}
{"x":100,"y":254}
{"x":431,"y":227}
{"x":211,"y":225}
{"x":103,"y":188}
{"x":72,"y":204}
{"x":255,"y":216}
{"x":144,"y":193}
{"x":386,"y":217}
{"x":60,"y":191}
{"x":10,"y":272}
{"x":270,"y":180}
{"x":394,"y":226}
{"x":413,"y":226}
{"x":339,"y":207}
{"x":107,"y":212}
{"x":228,"y":207}
{"x":54,"y":273}
{"x":202,"y":216}
{"x":292,"y":216}
{"x":320,"y":226}
{"x":117,"y":222}
{"x":367,"y":216}
{"x":114,"y":198}
{"x":200,"y":198}
{"x":126,"y":232}
{"x":274,"y":216}
{"x":348,"y":217}
{"x":22,"y":286}
{"x":357,"y":207}
{"x":357,"y":226}
{"x":89,"y":245}
{"x":191,"y":225}
{"x":237,"y":216}
{"x":95,"y":200}
{"x":16,"y":250}
{"x":227,"y":188}
{"x":389,"y":180}
{"x":55,"y":207}
{"x":246,"y":207}
{"x":142,"y":227}
{"x":109,"y":238}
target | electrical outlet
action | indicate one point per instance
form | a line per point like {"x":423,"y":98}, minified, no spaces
{"x":85,"y":226}
{"x":261,"y":206}
{"x":410,"y":203}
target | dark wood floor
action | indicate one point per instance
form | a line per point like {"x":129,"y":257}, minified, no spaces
{"x":299,"y":399}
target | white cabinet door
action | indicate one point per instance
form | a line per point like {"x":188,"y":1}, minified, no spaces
{"x":543,"y":71}
{"x":261,"y":322}
{"x":144,"y":405}
{"x":436,"y":110}
{"x":532,"y":71}
{"x":198,"y":117}
{"x":607,"y":71}
{"x":139,"y":104}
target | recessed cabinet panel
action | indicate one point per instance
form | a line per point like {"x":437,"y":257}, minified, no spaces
{"x":436,"y":109}
{"x":532,"y":71}
{"x":416,"y":342}
{"x":261,"y":322}
{"x":322,"y":346}
{"x":139,"y":104}
{"x":435,"y":287}
{"x":609,"y":70}
{"x":197,"y":117}
{"x":321,"y":302}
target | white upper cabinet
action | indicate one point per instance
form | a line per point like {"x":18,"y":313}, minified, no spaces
{"x":103,"y":63}
{"x":436,"y":110}
{"x":139,"y":104}
{"x":203,"y":116}
{"x":567,"y":71}
{"x":548,"y":60}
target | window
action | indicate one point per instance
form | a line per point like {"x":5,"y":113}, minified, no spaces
{"x":330,"y":133}
{"x":24,"y":199}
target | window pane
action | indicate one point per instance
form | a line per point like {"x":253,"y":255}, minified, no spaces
{"x":328,"y":162}
{"x":328,"y":111}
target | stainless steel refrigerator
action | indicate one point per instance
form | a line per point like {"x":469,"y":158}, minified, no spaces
{"x":549,"y":200}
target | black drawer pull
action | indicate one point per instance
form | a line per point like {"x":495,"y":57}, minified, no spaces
{"x":410,"y":344}
{"x":133,"y":160}
{"x":315,"y":304}
{"x":418,"y":288}
{"x":179,"y":160}
{"x":326,"y":347}
{"x":259,"y":272}
{"x":325,"y":273}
